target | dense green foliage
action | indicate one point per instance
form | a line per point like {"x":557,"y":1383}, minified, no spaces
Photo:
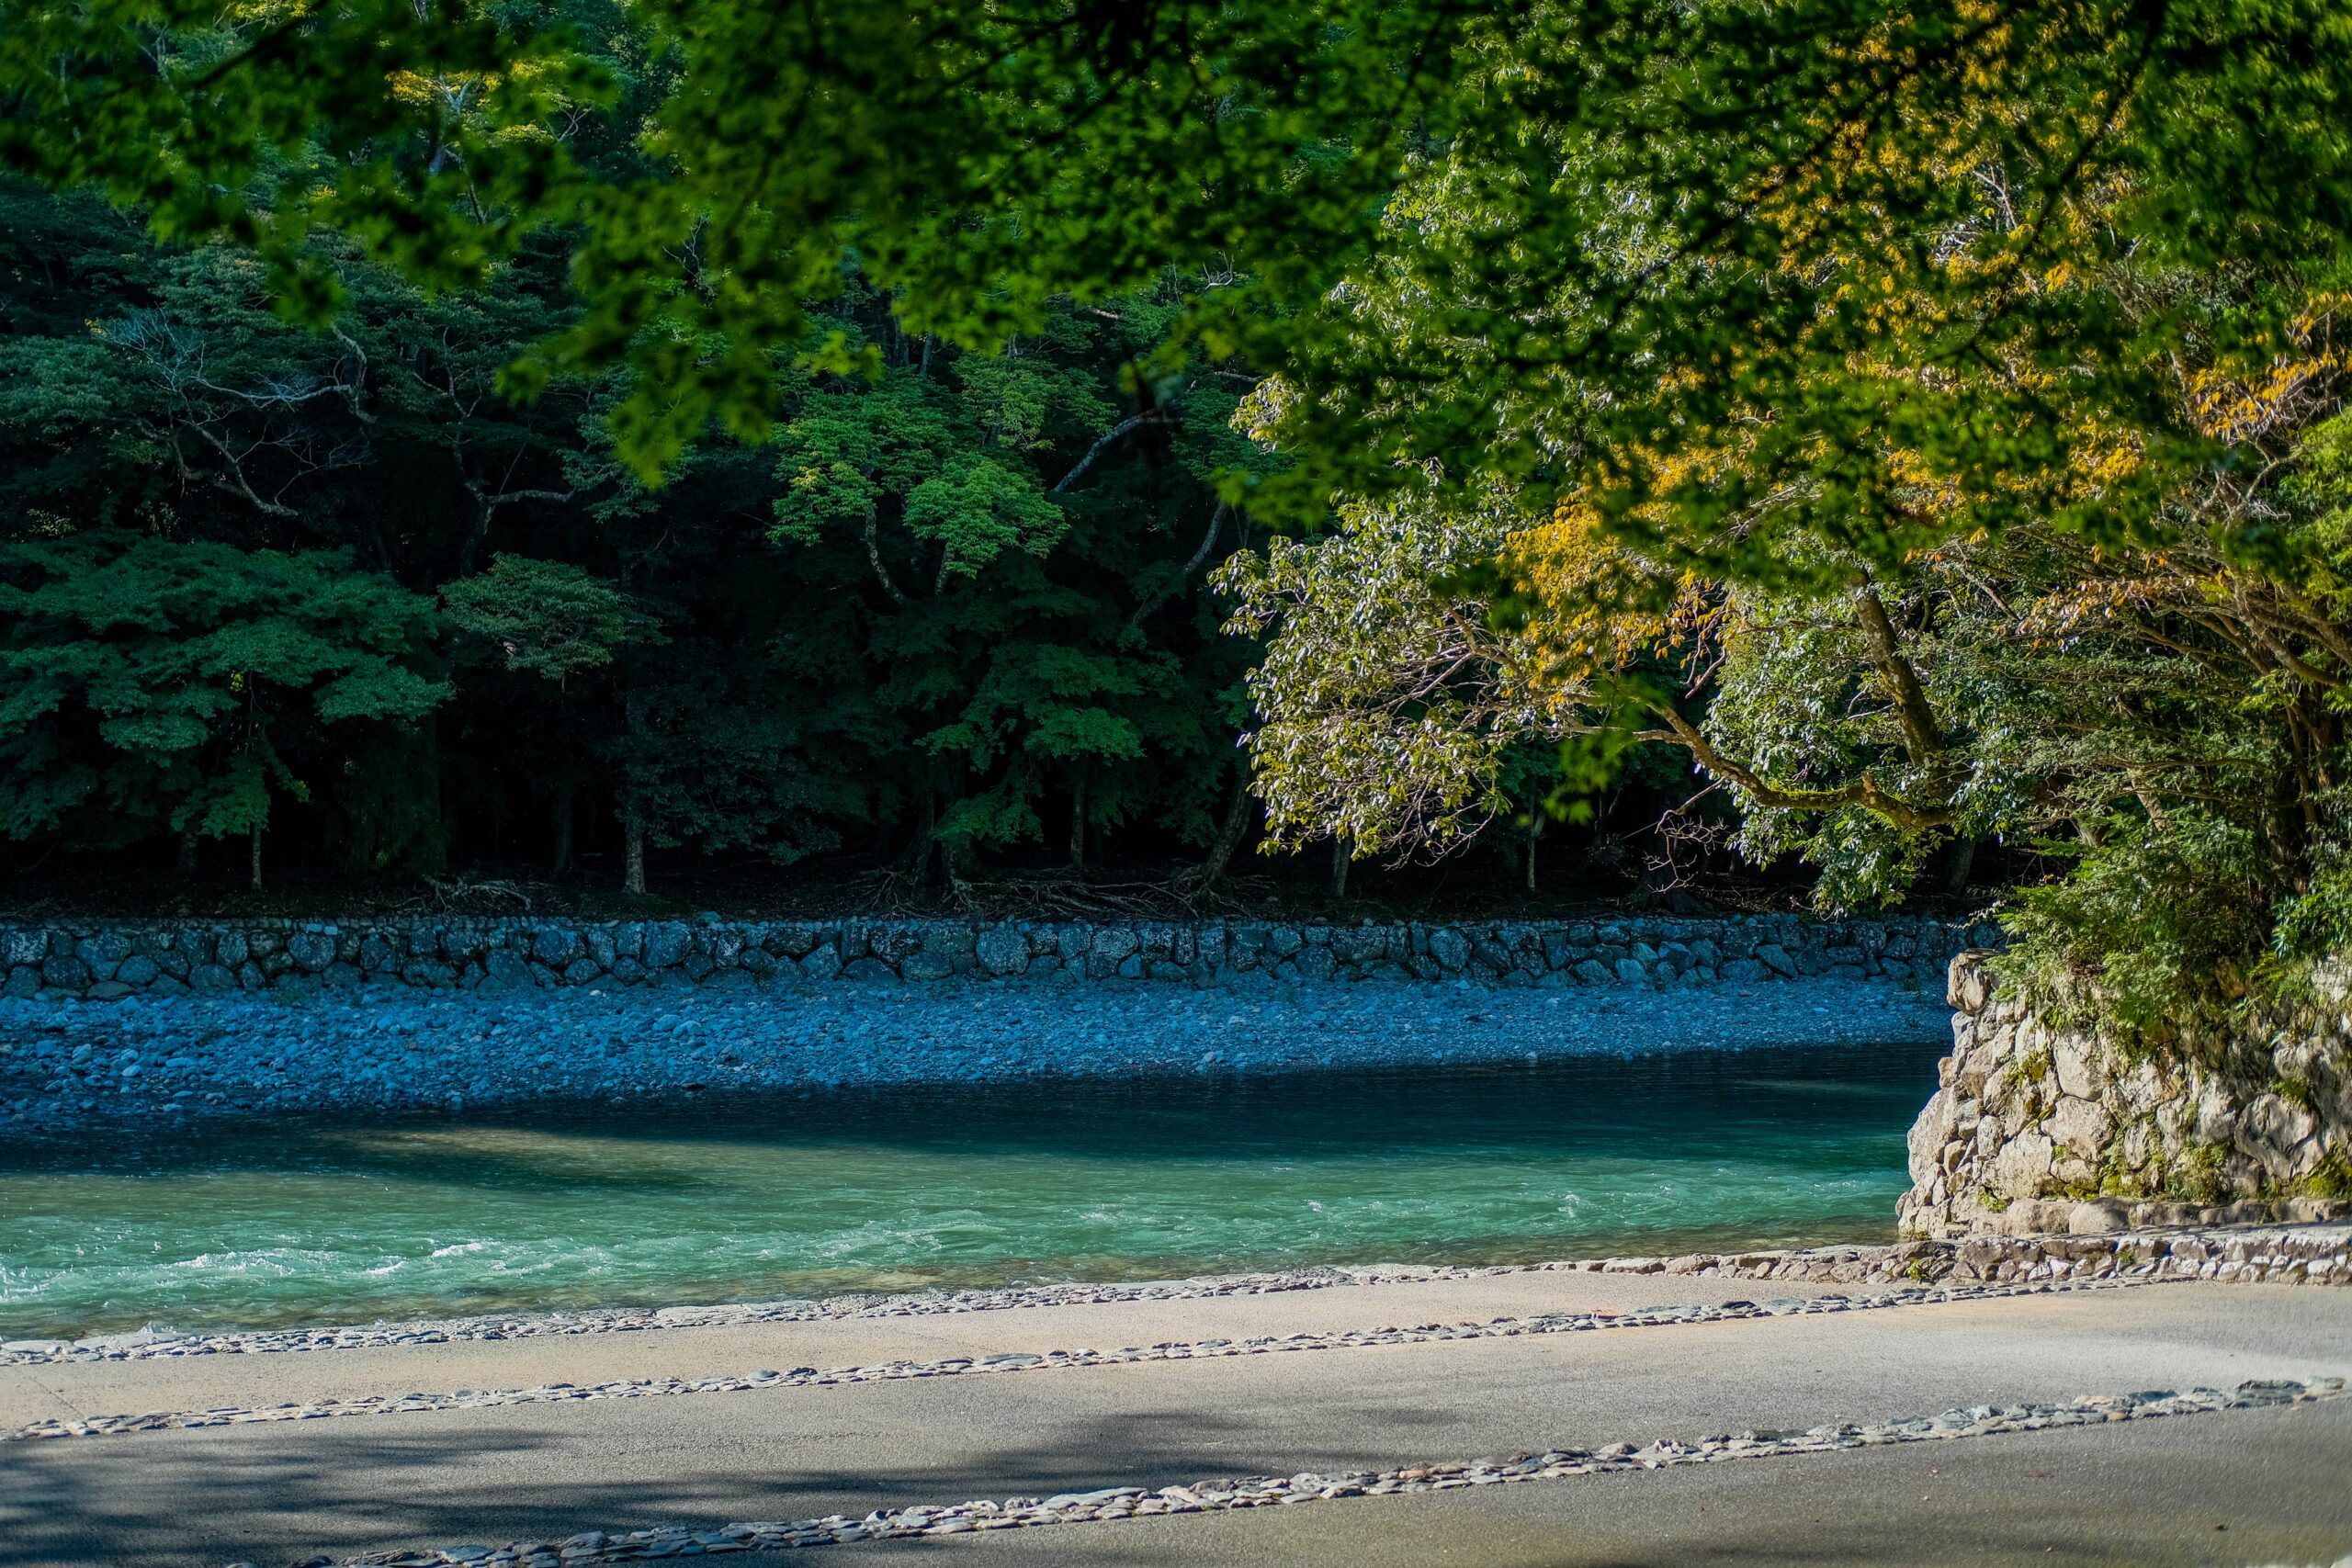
{"x":146,"y":685}
{"x":1576,"y":238}
{"x":1922,"y":423}
{"x":951,"y":605}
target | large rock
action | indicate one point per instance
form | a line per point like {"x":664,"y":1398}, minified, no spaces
{"x":1968,"y":984}
{"x":311,"y":951}
{"x":65,"y":972}
{"x":555,"y":946}
{"x":2080,"y":1126}
{"x":2021,"y":1169}
{"x":103,"y":952}
{"x":957,"y":943}
{"x":506,"y":969}
{"x":928,"y":964}
{"x":666,"y":946}
{"x":2075,"y":1064}
{"x":1003,"y":950}
{"x":892,"y":944}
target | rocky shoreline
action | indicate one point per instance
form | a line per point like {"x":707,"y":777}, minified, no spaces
{"x":66,"y":1065}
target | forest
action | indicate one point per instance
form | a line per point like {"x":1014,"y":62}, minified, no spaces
{"x":1821,"y":450}
{"x":332,"y":599}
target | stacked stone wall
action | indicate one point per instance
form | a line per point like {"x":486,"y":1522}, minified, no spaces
{"x":2039,"y":1128}
{"x":104,"y":961}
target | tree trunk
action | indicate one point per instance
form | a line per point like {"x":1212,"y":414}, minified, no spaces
{"x":1078,"y":822}
{"x":1342,"y":857}
{"x":1228,"y":833}
{"x":187,"y":866}
{"x":255,"y":856}
{"x":919,"y":854}
{"x":632,"y":812}
{"x":1956,"y":869}
{"x":560,"y":861}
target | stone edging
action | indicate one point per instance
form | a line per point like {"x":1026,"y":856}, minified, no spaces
{"x":1016,"y":1361}
{"x":2296,"y":1254}
{"x":107,"y":961}
{"x":2036,"y":1125}
{"x":1224,"y":1495}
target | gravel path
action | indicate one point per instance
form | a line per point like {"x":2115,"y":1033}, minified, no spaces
{"x":65,"y":1065}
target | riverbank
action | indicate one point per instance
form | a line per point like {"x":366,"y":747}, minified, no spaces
{"x":1619,"y":1292}
{"x":1581,"y":1380}
{"x":69,"y":1065}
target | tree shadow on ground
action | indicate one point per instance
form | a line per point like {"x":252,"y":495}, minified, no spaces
{"x":282,"y":1496}
{"x":2145,"y":1493}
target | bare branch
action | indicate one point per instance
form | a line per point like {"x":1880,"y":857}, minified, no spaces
{"x":1865,"y":791}
{"x":1134,"y":422}
{"x":1216,"y":523}
{"x":882,"y":572}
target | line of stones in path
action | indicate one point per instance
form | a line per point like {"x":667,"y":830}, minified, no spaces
{"x":1017,"y":1361}
{"x":1110,"y":1503}
{"x":104,"y":962}
{"x":2314,"y":1254}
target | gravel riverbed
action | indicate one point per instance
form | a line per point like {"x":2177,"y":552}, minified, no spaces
{"x":67,"y":1065}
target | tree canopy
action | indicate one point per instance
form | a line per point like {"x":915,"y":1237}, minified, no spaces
{"x":1919,"y":424}
{"x":1580,"y":236}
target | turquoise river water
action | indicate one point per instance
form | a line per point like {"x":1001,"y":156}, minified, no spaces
{"x":335,"y":1222}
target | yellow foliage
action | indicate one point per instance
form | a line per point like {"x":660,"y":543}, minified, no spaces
{"x":1577,"y":581}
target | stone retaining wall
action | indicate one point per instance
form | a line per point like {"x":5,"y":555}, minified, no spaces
{"x":2036,"y":1128}
{"x":104,"y":961}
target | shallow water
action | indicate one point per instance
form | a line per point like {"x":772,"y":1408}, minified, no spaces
{"x":334,"y":1220}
